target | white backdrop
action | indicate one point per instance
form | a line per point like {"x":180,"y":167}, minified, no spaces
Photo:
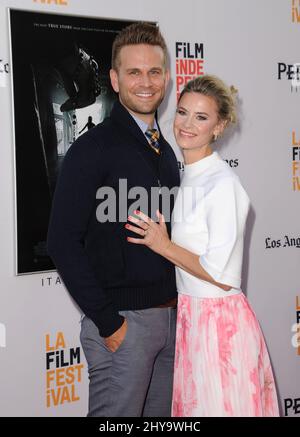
{"x":243,"y":43}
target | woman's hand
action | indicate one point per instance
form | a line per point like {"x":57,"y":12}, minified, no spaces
{"x":155,"y":235}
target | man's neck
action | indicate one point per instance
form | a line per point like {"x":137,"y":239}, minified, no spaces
{"x":146,"y":118}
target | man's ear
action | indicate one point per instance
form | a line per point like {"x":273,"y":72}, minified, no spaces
{"x":114,"y":79}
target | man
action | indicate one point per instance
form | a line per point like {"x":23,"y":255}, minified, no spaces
{"x":127,"y":294}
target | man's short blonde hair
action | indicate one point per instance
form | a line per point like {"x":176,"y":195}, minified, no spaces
{"x":137,"y":33}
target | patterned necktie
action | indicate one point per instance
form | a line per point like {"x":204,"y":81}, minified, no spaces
{"x":153,"y":136}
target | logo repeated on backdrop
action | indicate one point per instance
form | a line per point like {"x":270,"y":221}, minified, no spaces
{"x":52,"y":2}
{"x":232,"y":162}
{"x":48,"y":281}
{"x":296,"y":327}
{"x":2,"y":335}
{"x":189,"y":63}
{"x":291,"y":73}
{"x":63,"y":371}
{"x":295,"y":161}
{"x":296,"y":11}
{"x":283,"y":242}
{"x":291,"y":406}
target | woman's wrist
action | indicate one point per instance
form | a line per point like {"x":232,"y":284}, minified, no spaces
{"x":167,"y":253}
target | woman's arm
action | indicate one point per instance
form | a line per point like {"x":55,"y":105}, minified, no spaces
{"x":189,"y":262}
{"x":157,"y":239}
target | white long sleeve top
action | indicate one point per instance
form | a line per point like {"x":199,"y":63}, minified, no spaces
{"x":209,"y":219}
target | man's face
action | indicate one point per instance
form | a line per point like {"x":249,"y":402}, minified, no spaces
{"x":141,"y":79}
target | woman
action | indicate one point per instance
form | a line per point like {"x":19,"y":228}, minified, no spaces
{"x":222,"y":367}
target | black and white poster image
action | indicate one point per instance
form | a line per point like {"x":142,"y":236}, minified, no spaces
{"x":61,"y":89}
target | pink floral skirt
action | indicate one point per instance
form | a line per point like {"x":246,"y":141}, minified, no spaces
{"x":222,"y":366}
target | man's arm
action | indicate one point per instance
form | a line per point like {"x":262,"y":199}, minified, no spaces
{"x":73,"y":205}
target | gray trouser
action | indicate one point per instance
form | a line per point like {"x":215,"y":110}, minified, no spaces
{"x":137,"y":379}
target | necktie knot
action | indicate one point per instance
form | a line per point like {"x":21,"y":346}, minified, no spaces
{"x":153,"y":136}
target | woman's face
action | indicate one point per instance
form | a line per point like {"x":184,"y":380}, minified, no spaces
{"x":196,"y":121}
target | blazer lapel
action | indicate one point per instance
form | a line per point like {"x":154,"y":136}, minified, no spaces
{"x":129,"y":128}
{"x":121,"y":116}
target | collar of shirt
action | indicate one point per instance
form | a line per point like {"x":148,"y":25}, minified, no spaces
{"x":142,"y":125}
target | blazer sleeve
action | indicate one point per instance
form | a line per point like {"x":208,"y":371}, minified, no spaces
{"x":73,"y":204}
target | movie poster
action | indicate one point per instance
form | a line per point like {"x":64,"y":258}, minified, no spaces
{"x":61,"y":89}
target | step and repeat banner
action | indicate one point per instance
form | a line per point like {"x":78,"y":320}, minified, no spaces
{"x":253,"y":46}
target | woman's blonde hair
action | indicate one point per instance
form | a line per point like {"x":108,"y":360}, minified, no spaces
{"x":224,"y":96}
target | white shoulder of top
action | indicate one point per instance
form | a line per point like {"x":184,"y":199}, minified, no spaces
{"x":220,"y":179}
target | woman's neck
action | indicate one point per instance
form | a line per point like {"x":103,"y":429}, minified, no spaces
{"x":194,"y":155}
